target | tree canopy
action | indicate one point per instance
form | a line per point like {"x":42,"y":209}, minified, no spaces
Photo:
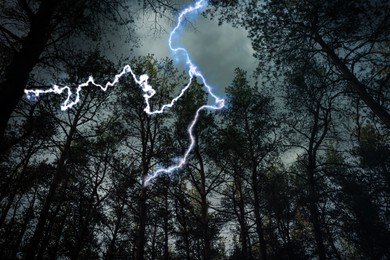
{"x":295,"y":166}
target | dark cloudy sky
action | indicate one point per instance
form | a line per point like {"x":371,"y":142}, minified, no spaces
{"x":216,"y":50}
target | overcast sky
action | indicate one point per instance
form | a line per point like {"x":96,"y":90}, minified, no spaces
{"x":216,"y":50}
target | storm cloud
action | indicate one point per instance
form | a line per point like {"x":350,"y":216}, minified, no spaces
{"x":216,"y":50}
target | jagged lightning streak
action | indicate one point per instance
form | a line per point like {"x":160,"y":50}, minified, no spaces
{"x":192,"y":72}
{"x":149,"y":92}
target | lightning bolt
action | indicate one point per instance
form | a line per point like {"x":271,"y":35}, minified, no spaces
{"x":149,"y":92}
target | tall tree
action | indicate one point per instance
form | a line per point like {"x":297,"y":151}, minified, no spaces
{"x":251,"y":140}
{"x":310,"y":99}
{"x":145,"y":133}
{"x":202,"y":177}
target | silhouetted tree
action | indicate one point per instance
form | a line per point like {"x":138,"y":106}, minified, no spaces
{"x":249,"y":143}
{"x":352,"y":36}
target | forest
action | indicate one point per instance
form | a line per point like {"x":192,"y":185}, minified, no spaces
{"x":295,"y":166}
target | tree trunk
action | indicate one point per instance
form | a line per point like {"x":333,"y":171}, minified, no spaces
{"x":111,"y":249}
{"x":314,"y":218}
{"x":255,"y":189}
{"x":140,"y":243}
{"x":259,"y":222}
{"x":147,"y":142}
{"x":85,"y":220}
{"x":313,"y":197}
{"x":52,"y":254}
{"x":57,"y":179}
{"x":204,"y":207}
{"x":28,"y":217}
{"x":18,"y":72}
{"x":153,"y":244}
{"x":14,"y":188}
{"x":241,"y":215}
{"x":140,"y":238}
{"x":166,"y":224}
{"x":182,"y":220}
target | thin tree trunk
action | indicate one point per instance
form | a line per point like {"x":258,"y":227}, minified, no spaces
{"x":111,"y":249}
{"x":166,"y":224}
{"x":54,"y":251}
{"x":52,"y":222}
{"x":153,"y":246}
{"x":181,"y":218}
{"x":259,"y":221}
{"x":312,"y":154}
{"x":140,"y":243}
{"x":11,"y":183}
{"x":57,"y":179}
{"x":140,"y":238}
{"x":29,"y":215}
{"x":314,"y":218}
{"x":146,"y":138}
{"x":256,"y":195}
{"x":204,"y":207}
{"x":7,"y":237}
{"x":241,"y":216}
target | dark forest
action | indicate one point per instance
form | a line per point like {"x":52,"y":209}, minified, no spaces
{"x":295,"y":166}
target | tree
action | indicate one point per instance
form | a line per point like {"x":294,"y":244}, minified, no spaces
{"x":145,"y":134}
{"x":201,"y":177}
{"x":249,"y":142}
{"x":310,"y":98}
{"x":352,"y":36}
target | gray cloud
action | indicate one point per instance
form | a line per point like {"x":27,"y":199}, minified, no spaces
{"x":216,"y":50}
